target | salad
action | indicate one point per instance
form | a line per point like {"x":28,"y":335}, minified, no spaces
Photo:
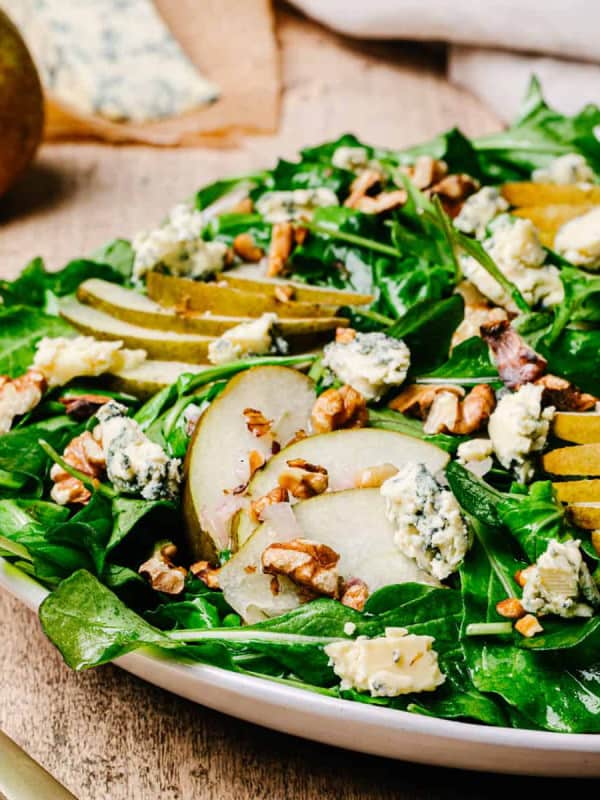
{"x":334,"y":424}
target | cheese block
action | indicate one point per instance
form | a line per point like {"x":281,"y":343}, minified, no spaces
{"x":113,"y":58}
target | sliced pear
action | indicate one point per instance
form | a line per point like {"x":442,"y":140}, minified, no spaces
{"x":549,"y":219}
{"x":344,"y":454}
{"x":544,"y":194}
{"x":573,"y":426}
{"x":217,"y":456}
{"x":151,"y":376}
{"x":219,"y":299}
{"x":352,"y":522}
{"x":161,"y":345}
{"x":585,"y":515}
{"x":302,"y":292}
{"x":577,"y":491}
{"x":581,"y":459}
{"x":131,"y":306}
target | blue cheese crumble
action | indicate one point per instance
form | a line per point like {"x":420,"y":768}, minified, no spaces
{"x":427,"y":521}
{"x":579,"y":240}
{"x":114,"y":58}
{"x":135,"y":464}
{"x":518,"y":429}
{"x":515,"y":246}
{"x":247,"y":338}
{"x":560,"y":583}
{"x":387,"y":666}
{"x":571,"y":168}
{"x":353,"y":159}
{"x":370,"y":363}
{"x":479,"y":210}
{"x":294,"y":205}
{"x":177,"y":248}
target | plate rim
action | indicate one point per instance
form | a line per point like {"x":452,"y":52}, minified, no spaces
{"x":27,"y":590}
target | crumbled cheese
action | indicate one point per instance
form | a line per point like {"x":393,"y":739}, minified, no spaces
{"x":579,"y":240}
{"x":515,"y":247}
{"x":351,"y":158}
{"x":519,"y":428}
{"x":191,"y":415}
{"x":295,"y":204}
{"x":177,"y":247}
{"x":349,"y":628}
{"x":387,"y":666}
{"x":60,"y":359}
{"x":476,"y":455}
{"x":560,"y":582}
{"x":135,"y":464}
{"x":479,"y":210}
{"x":115,"y":58}
{"x":427,"y":521}
{"x":247,"y":338}
{"x":370,"y":363}
{"x":567,"y":169}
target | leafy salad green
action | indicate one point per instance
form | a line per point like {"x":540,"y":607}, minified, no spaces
{"x":486,"y":529}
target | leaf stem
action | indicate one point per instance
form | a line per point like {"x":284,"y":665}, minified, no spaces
{"x":353,"y":238}
{"x":90,"y":483}
{"x":488,"y":628}
{"x":248,"y":635}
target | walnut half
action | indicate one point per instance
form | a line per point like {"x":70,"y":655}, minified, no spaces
{"x":306,"y":563}
{"x":339,"y":408}
{"x":162,"y":573}
{"x":85,"y":454}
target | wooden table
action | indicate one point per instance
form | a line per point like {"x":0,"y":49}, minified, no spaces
{"x":107,"y":735}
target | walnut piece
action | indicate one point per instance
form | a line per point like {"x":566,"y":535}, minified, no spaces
{"x":18,"y":396}
{"x":368,"y":180}
{"x":246,"y":248}
{"x":345,"y":335}
{"x":511,"y":608}
{"x":564,"y":396}
{"x":85,"y":454}
{"x":257,"y":423}
{"x":449,"y":414}
{"x":382,"y":202}
{"x":282,"y":241}
{"x":304,"y":479}
{"x":244,"y":206}
{"x":162,"y":573}
{"x":306,"y":563}
{"x":207,"y":574}
{"x":355,"y":594}
{"x":416,"y":400}
{"x":452,"y":191}
{"x":426,"y":171}
{"x":339,"y":408}
{"x":475,"y":317}
{"x":277,"y":495}
{"x":83,"y":406}
{"x":528,"y":626}
{"x":517,"y":362}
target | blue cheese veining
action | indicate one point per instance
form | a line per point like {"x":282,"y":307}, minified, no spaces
{"x":113,"y":58}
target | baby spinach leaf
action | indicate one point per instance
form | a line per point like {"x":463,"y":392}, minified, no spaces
{"x":21,"y":328}
{"x":226,"y":227}
{"x":469,"y":362}
{"x":453,"y":147}
{"x":118,"y":254}
{"x":390,"y":420}
{"x":474,"y":495}
{"x":195,"y":613}
{"x":533,"y":518}
{"x":305,"y":175}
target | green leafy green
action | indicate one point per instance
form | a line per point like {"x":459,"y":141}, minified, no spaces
{"x":469,"y":363}
{"x":21,"y":328}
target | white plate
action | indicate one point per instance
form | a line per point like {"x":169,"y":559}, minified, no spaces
{"x":369,"y":729}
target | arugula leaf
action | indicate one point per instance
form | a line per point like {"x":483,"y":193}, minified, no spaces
{"x":21,"y":328}
{"x":533,"y":518}
{"x":452,"y":146}
{"x":226,"y":227}
{"x":581,"y":301}
{"x":305,"y":174}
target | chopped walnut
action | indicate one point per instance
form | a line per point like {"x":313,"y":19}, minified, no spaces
{"x":298,"y":436}
{"x":256,"y":460}
{"x":85,"y":454}
{"x":345,"y":335}
{"x":368,"y":180}
{"x":283,"y":294}
{"x":475,"y":317}
{"x":416,"y":399}
{"x":207,"y":574}
{"x":374,"y":477}
{"x":277,"y":495}
{"x":355,"y":594}
{"x":83,"y":406}
{"x":306,"y":563}
{"x":382,"y":202}
{"x":453,"y":190}
{"x":19,"y":396}
{"x":517,"y":362}
{"x":282,"y":241}
{"x":528,"y":626}
{"x":511,"y":608}
{"x":162,"y":573}
{"x":564,"y":396}
{"x":246,"y":248}
{"x":339,"y":408}
{"x":426,"y":171}
{"x":304,"y":480}
{"x":448,"y":414}
{"x":257,"y":423}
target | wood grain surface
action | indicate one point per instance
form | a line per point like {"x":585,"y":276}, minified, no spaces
{"x":105,"y":734}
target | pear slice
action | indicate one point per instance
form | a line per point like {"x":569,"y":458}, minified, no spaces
{"x":219,"y":299}
{"x":151,"y":376}
{"x":131,"y":306}
{"x":216,"y":461}
{"x":352,"y":522}
{"x":302,"y":292}
{"x":161,"y":345}
{"x":578,"y":427}
{"x":527,"y":193}
{"x":581,"y":459}
{"x":578,"y":491}
{"x":585,"y":515}
{"x":344,"y":454}
{"x":549,"y":219}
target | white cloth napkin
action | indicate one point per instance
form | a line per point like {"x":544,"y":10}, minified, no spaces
{"x":556,"y":39}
